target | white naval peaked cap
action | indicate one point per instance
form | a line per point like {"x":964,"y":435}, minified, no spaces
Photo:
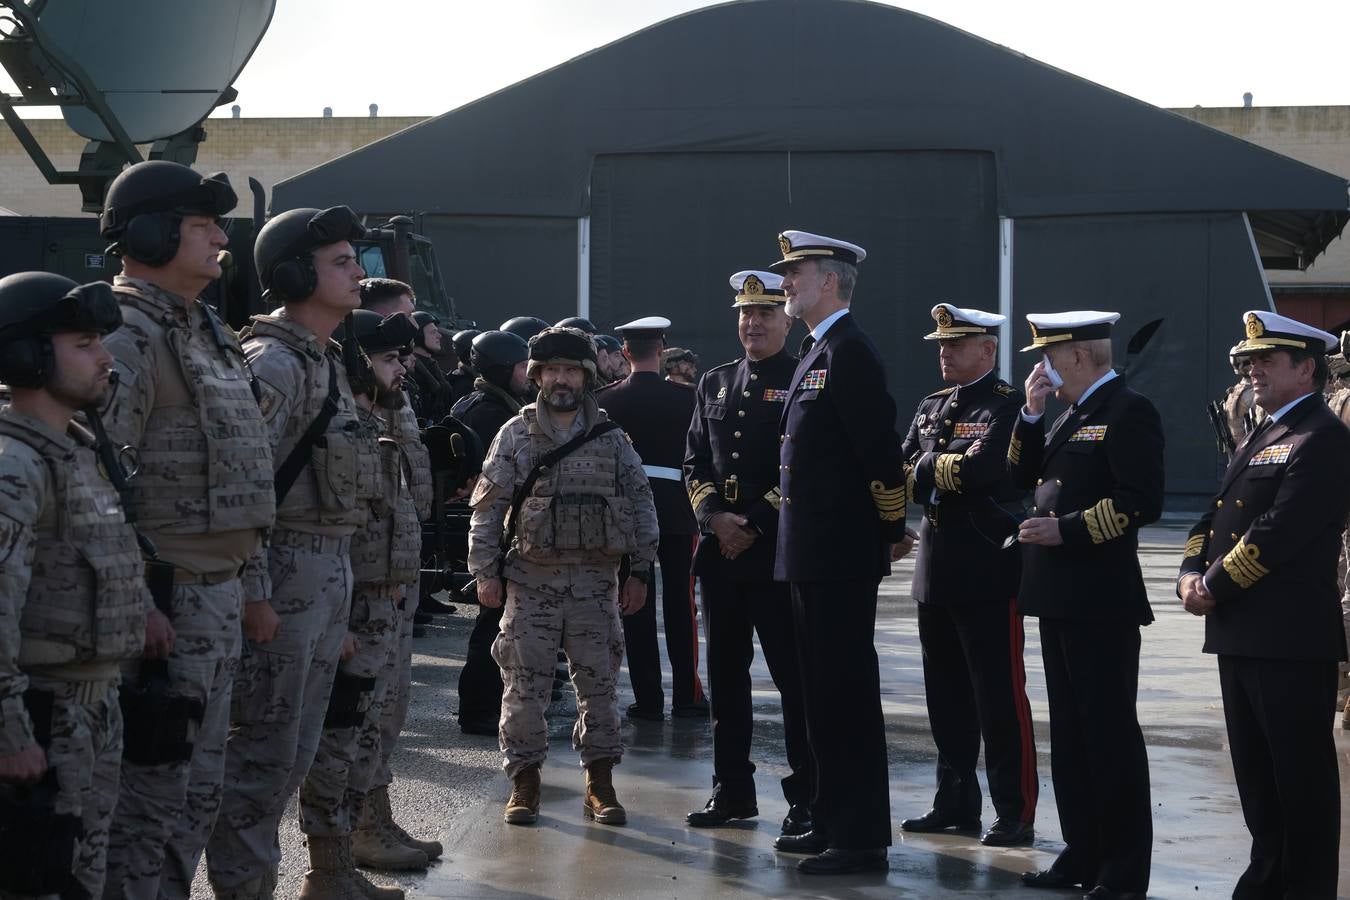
{"x":756,"y":288}
{"x":1079,"y":325}
{"x":798,"y":245}
{"x":647,"y":327}
{"x":955,"y":322}
{"x":1271,"y":331}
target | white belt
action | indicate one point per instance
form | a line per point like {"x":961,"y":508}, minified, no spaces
{"x":665,"y":472}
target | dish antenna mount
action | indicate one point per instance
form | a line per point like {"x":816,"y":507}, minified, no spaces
{"x":126,"y":73}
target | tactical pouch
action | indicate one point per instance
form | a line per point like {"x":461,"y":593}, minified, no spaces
{"x":159,"y":727}
{"x":620,"y":536}
{"x":38,"y":845}
{"x":159,"y":579}
{"x":349,"y":702}
{"x":335,"y":469}
{"x":536,"y":528}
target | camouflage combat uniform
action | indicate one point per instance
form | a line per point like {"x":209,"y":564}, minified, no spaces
{"x":385,"y":555}
{"x":1338,"y":399}
{"x":204,"y":495}
{"x":67,"y":561}
{"x":397,"y":674}
{"x":561,"y":574}
{"x":282,"y":688}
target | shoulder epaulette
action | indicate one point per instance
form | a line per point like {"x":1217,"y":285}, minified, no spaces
{"x":1005,"y":389}
{"x":942,"y":393}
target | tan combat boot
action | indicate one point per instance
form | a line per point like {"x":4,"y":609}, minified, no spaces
{"x":523,"y":807}
{"x":364,"y":888}
{"x":329,"y":872}
{"x":377,"y":847}
{"x":601,"y":804}
{"x":377,"y":811}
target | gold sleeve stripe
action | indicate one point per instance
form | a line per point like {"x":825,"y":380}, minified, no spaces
{"x":700,"y":491}
{"x":945,"y":471}
{"x":909,"y":483}
{"x":890,"y":502}
{"x":1103,"y":522}
{"x":1242,"y":566}
{"x":1195,"y":546}
{"x":774,"y":498}
{"x":1015,"y":451}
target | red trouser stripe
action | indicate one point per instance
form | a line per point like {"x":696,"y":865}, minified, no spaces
{"x":1026,"y":735}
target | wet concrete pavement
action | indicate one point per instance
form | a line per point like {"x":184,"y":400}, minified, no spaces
{"x":449,"y":785}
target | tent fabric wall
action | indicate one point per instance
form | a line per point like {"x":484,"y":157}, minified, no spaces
{"x":1197,"y":273}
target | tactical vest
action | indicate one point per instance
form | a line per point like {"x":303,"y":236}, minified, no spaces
{"x":87,"y":597}
{"x":389,"y":547}
{"x":205,"y":468}
{"x":575,"y":513}
{"x":403,"y":428}
{"x":342,"y":477}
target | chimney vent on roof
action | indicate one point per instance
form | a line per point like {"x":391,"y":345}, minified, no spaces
{"x":328,"y":112}
{"x":374,"y":110}
{"x":234,"y":111}
{"x":1247,"y":100}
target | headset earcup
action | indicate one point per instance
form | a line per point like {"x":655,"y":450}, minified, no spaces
{"x":25,"y":362}
{"x":294,"y":279}
{"x":152,"y":238}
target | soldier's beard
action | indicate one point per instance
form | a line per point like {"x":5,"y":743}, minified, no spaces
{"x":78,"y":396}
{"x":561,"y":399}
{"x":390,"y":399}
{"x":798,"y":306}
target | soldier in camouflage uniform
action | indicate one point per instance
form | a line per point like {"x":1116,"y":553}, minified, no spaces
{"x":68,"y":561}
{"x":1337,"y":392}
{"x":385,"y":555}
{"x":1240,"y":412}
{"x":203,"y":494}
{"x":561,"y":569}
{"x":297,"y":590}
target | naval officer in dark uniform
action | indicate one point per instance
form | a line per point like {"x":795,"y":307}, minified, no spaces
{"x":1098,"y":478}
{"x":965,"y":584}
{"x":842,"y":520}
{"x":1261,"y":567}
{"x":655,"y":414}
{"x":731,"y":468}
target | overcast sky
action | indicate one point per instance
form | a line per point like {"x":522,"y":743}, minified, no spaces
{"x":424,"y":57}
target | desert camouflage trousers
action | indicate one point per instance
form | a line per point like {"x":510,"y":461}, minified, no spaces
{"x":397,"y":681}
{"x":347,"y":757}
{"x":280,"y":698}
{"x":166,"y":812}
{"x":86,"y":754}
{"x":586,"y":625}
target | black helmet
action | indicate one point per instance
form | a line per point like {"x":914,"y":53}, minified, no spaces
{"x":525,"y":326}
{"x":146,"y":203}
{"x":608,"y":342}
{"x":283,"y":248}
{"x":36,"y":305}
{"x":498,"y":348}
{"x":577,"y":322}
{"x":463,"y":341}
{"x":378,"y":334}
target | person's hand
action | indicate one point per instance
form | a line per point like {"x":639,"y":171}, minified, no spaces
{"x":1043,"y":531}
{"x":261,"y":622}
{"x":633,"y":596}
{"x":348,"y":646}
{"x":465,"y":489}
{"x":490,"y":592}
{"x":901,"y":549}
{"x":27,"y":765}
{"x":1038,"y":387}
{"x":734,"y":534}
{"x":1195,"y":597}
{"x":159,"y":635}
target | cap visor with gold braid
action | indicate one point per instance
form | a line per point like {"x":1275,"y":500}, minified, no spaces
{"x":1271,"y":331}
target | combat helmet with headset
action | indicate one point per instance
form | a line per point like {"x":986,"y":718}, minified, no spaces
{"x":283,"y":251}
{"x":143,"y":211}
{"x":36,"y":305}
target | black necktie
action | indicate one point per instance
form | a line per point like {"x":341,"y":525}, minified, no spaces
{"x":807,"y":343}
{"x":1260,"y":430}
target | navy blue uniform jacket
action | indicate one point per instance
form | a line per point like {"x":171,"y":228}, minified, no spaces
{"x":1269,"y":542}
{"x":842,"y":472}
{"x":1100,"y":472}
{"x":731,"y":460}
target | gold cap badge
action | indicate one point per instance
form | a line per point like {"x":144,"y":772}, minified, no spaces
{"x":753,"y":286}
{"x":784,"y":245}
{"x":944,"y":318}
{"x":1254,"y":327}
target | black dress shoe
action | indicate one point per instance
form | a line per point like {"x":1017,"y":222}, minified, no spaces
{"x":647,"y":714}
{"x":844,"y":862}
{"x":432,"y":606}
{"x":698,"y":710}
{"x":797,"y":821}
{"x":934,"y":821}
{"x":1051,"y":878}
{"x":485,"y":726}
{"x":1008,"y":833}
{"x":812,"y":842}
{"x":720,"y":811}
{"x":1102,"y":892}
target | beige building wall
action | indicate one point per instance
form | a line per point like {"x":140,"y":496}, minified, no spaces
{"x":269,"y":150}
{"x":1316,"y":135}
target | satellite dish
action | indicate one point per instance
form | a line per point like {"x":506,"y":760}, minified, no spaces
{"x":161,"y":65}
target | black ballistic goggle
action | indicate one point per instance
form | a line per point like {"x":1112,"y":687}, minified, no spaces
{"x":395,"y":332}
{"x":212,"y":196}
{"x":337,"y":223}
{"x":88,"y":308}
